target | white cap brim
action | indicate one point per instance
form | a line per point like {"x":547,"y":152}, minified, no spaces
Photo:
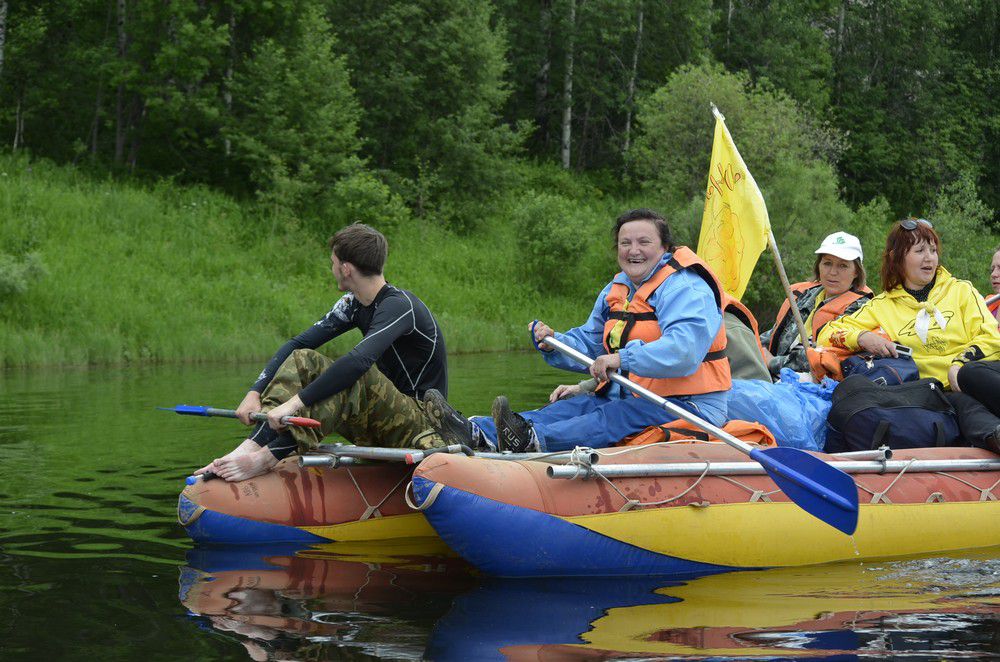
{"x":843,"y":252}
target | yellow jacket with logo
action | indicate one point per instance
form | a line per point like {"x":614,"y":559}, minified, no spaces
{"x":969,"y":332}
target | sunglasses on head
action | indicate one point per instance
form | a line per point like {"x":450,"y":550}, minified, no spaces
{"x":911,"y":223}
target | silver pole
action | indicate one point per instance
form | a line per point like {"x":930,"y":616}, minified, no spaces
{"x":882,"y":453}
{"x":754,"y":469}
{"x":415,"y":456}
{"x":324,"y":460}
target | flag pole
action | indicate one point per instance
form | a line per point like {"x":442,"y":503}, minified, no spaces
{"x":788,"y":289}
{"x":803,"y":336}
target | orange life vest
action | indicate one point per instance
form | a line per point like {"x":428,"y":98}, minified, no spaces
{"x":751,"y":432}
{"x":829,"y":310}
{"x":993,"y":308}
{"x":641,"y":323}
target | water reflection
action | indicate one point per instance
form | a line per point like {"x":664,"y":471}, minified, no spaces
{"x":332,"y":601}
{"x":327,"y":602}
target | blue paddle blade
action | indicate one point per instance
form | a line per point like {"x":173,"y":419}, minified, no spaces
{"x":190,"y":410}
{"x":817,"y":487}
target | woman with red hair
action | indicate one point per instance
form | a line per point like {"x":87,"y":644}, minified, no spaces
{"x":943,"y":320}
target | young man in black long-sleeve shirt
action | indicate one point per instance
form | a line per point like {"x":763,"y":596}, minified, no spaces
{"x":372,"y":405}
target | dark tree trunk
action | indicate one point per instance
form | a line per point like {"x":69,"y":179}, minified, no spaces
{"x":542,"y":76}
{"x":121,"y":116}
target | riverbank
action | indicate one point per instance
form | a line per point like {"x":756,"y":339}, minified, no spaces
{"x":103,"y":272}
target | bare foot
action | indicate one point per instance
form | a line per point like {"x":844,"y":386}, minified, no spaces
{"x":248,"y":446}
{"x":245,"y":466}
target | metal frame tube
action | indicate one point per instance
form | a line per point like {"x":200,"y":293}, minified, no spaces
{"x":754,"y":469}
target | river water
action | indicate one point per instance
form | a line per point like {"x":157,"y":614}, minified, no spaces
{"x":94,"y":566}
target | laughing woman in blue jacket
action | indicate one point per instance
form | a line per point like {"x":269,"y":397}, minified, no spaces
{"x":659,"y":322}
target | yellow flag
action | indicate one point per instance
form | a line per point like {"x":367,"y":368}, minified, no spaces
{"x":735,"y":225}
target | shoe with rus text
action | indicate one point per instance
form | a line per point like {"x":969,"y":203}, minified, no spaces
{"x":514,"y":433}
{"x":451,"y":425}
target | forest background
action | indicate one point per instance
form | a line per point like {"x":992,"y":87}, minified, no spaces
{"x":171,"y":169}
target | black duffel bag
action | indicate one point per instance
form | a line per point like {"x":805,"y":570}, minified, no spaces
{"x":866,"y":415}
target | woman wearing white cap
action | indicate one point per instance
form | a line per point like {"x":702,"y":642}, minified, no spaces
{"x":838,"y":289}
{"x":943,"y":320}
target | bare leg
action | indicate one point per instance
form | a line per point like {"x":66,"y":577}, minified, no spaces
{"x":248,"y":446}
{"x":245,"y":465}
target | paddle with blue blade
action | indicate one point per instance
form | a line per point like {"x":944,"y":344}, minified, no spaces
{"x":197,"y":410}
{"x":817,"y":487}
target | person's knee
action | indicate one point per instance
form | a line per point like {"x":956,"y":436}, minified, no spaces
{"x":972,"y":375}
{"x":304,"y":355}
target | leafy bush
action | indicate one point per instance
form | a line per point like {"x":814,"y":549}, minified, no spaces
{"x":555,"y":234}
{"x":962,"y":220}
{"x":361,"y":197}
{"x":18,"y":274}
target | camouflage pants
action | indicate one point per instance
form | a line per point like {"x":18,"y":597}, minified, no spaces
{"x":372,"y":412}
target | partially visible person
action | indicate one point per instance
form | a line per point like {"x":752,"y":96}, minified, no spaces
{"x":659,"y":322}
{"x":994,"y":306}
{"x":838,"y":289}
{"x":744,"y":350}
{"x":370,"y":395}
{"x":943,"y":320}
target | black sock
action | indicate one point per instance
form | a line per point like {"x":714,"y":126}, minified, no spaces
{"x":282,"y":445}
{"x":262,"y":434}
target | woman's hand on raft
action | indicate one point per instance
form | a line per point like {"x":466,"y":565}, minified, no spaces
{"x":249,"y":407}
{"x":564,"y":391}
{"x":289,"y":408}
{"x":541,"y":331}
{"x":877,"y":345}
{"x":604,"y":365}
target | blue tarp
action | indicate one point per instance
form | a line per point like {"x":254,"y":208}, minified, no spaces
{"x":795,"y":412}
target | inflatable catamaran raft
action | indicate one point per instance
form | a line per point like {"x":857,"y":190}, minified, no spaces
{"x":668,"y":508}
{"x":677,"y":508}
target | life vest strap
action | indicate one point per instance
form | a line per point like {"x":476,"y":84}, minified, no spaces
{"x":638,"y":317}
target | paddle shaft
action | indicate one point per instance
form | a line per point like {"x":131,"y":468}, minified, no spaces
{"x":193,"y":410}
{"x":299,"y":421}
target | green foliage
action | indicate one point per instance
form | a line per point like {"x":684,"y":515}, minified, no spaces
{"x":782,"y":41}
{"x":608,"y":53}
{"x":672,"y":155}
{"x":915,"y":82}
{"x":360,"y":197}
{"x":961,"y":220}
{"x":294,"y":126}
{"x":429,"y":74}
{"x":18,"y":273}
{"x":553,"y":231}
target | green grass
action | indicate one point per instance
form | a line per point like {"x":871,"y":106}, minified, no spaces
{"x":185,"y":274}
